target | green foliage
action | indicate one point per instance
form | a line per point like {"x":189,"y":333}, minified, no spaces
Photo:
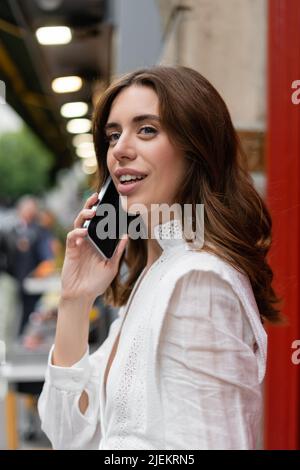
{"x":24,"y":165}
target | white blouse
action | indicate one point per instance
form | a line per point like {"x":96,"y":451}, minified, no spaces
{"x":188,"y":370}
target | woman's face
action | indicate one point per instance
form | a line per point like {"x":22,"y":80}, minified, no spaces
{"x":137,"y":142}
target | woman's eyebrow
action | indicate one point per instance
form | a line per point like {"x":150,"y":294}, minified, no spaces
{"x":139,"y":118}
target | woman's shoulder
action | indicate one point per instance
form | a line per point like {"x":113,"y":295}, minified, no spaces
{"x":220,"y":278}
{"x":202,"y":262}
{"x":201,"y":266}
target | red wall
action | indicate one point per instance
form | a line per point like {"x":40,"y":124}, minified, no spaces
{"x":282,"y":417}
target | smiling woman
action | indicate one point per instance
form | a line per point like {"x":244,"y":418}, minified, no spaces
{"x":183,"y":364}
{"x":190,"y":153}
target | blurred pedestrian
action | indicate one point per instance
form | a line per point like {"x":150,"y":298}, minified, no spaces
{"x":32,"y":251}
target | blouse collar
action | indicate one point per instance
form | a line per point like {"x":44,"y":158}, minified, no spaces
{"x":170,"y":235}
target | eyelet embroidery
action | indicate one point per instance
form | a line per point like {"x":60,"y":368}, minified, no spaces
{"x":169,"y":230}
{"x":129,"y":385}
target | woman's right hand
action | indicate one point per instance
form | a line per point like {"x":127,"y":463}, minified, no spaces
{"x":85,"y":273}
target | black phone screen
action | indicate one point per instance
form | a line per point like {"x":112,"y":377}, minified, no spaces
{"x":110,"y":221}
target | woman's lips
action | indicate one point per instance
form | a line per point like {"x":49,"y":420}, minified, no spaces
{"x":127,"y":188}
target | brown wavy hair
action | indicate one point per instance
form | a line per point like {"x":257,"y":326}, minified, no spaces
{"x":236,"y":220}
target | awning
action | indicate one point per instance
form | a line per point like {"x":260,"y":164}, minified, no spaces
{"x":28,"y":68}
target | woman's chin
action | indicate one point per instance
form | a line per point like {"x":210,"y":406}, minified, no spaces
{"x":133,"y":206}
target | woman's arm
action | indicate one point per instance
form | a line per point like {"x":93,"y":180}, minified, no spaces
{"x":71,"y":340}
{"x":68,"y":421}
{"x":85,"y":275}
{"x":208,"y":369}
{"x":62,"y":420}
{"x":72,"y":331}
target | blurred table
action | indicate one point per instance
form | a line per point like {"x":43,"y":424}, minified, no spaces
{"x":20,"y":366}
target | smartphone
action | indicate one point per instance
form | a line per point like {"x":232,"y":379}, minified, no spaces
{"x":105,"y":229}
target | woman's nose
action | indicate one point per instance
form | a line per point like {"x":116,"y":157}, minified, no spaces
{"x":123,"y":149}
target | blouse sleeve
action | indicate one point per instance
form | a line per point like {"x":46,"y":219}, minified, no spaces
{"x":208,"y":368}
{"x":58,"y":405}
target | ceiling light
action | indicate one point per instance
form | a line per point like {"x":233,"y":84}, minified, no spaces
{"x":89,"y":166}
{"x":86,"y":152}
{"x":88,"y":170}
{"x":91,"y":161}
{"x":75,"y":109}
{"x":79,"y":126}
{"x":49,"y":4}
{"x":82,"y":138}
{"x":86,"y":145}
{"x":53,"y":35}
{"x":66,"y":84}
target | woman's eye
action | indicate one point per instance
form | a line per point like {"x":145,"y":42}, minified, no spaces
{"x":149,"y":128}
{"x":110,"y":138}
{"x":113,"y":137}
